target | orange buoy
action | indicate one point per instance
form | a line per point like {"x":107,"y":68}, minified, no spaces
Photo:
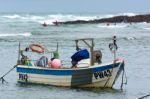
{"x":37,"y":48}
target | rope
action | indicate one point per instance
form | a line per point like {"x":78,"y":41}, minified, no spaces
{"x":123,"y":75}
{"x":121,"y":87}
{"x":144,"y":96}
{"x":2,"y":77}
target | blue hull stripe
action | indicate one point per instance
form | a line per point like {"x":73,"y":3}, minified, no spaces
{"x":103,"y":68}
{"x":61,"y":72}
{"x":44,"y":71}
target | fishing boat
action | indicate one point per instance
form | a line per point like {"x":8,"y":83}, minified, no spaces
{"x":86,"y":69}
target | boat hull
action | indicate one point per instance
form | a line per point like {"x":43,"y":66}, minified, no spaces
{"x":94,"y":76}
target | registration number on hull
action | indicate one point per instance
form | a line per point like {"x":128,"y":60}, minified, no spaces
{"x":23,"y":77}
{"x":102,"y":74}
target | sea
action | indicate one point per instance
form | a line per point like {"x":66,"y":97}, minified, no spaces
{"x":133,"y":42}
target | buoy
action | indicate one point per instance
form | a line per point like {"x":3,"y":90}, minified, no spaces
{"x":56,"y":63}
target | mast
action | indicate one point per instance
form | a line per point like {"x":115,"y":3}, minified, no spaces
{"x":18,"y":62}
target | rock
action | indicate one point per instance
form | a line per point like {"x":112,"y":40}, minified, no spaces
{"x":116,"y":19}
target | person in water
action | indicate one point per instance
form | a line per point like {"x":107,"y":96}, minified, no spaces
{"x":56,"y":23}
{"x":44,"y":24}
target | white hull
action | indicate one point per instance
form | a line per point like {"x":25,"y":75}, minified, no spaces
{"x":105,"y":78}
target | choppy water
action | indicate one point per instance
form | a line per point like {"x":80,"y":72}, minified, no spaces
{"x":133,"y":41}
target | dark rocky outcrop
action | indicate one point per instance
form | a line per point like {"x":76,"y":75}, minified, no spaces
{"x":116,"y":19}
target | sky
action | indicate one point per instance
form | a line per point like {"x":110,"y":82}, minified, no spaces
{"x":58,"y":6}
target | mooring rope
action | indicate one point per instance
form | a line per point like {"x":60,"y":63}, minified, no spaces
{"x":144,"y":96}
{"x":122,"y":81}
{"x":2,"y":77}
{"x":123,"y":75}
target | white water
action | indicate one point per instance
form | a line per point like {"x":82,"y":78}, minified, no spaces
{"x":112,"y":26}
{"x":15,"y":34}
{"x":48,"y":19}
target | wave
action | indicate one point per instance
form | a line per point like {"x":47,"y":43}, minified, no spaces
{"x":146,"y":28}
{"x":62,"y":18}
{"x":15,"y":34}
{"x":59,"y":17}
{"x":112,"y":26}
{"x":113,"y":15}
{"x":128,"y":14}
{"x":11,"y":16}
{"x":130,"y":38}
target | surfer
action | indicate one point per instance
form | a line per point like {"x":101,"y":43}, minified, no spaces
{"x":44,"y":24}
{"x":56,"y":23}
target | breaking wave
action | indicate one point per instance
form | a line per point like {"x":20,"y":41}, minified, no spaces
{"x":15,"y":34}
{"x":146,"y":28}
{"x":49,"y":18}
{"x":112,"y":26}
{"x":11,"y":16}
{"x":128,"y":14}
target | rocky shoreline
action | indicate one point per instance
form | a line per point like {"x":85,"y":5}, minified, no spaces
{"x":116,"y":19}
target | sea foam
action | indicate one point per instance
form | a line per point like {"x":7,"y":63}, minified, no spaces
{"x":15,"y":34}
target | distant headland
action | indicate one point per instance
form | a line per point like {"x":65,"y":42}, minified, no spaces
{"x":115,"y":19}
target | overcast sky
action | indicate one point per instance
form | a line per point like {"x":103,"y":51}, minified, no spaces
{"x":100,"y":6}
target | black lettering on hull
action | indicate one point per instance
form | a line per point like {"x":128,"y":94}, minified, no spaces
{"x":23,"y":77}
{"x":102,"y":74}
